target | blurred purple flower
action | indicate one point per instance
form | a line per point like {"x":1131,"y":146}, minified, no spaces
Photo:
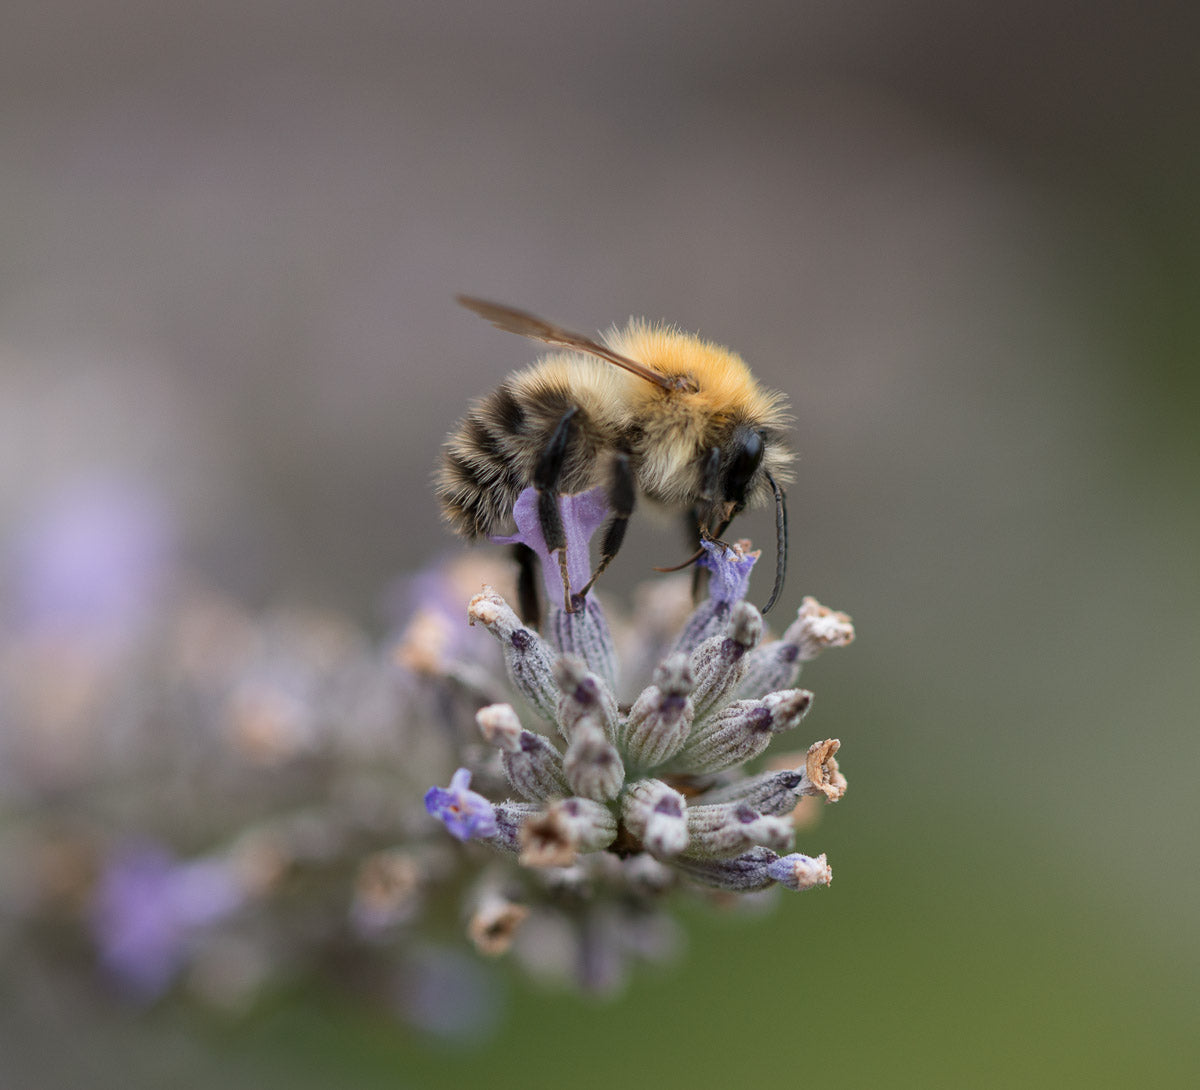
{"x":92,"y":556}
{"x":147,"y":909}
{"x":426,"y":612}
{"x":465,"y":813}
{"x":446,"y":994}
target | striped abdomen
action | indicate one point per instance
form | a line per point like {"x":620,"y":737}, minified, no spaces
{"x":490,"y":457}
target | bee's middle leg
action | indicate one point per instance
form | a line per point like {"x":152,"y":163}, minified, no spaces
{"x":546,"y":477}
{"x":621,"y":499}
{"x":692,"y":535}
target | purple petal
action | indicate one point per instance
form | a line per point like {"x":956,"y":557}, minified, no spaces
{"x":147,"y":908}
{"x":465,"y":813}
{"x":730,"y":572}
{"x":582,"y":515}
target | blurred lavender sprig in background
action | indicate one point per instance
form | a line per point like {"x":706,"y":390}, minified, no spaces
{"x":200,"y":797}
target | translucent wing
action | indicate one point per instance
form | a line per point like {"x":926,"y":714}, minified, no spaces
{"x":529,"y":325}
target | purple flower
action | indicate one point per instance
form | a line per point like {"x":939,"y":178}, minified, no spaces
{"x":800,"y":872}
{"x":582,"y":515}
{"x":147,"y":909}
{"x":730,"y":571}
{"x":464,"y":812}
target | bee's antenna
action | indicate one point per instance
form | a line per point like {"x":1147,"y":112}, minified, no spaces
{"x":780,"y":542}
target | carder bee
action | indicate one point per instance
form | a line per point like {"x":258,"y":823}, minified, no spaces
{"x":648,"y":411}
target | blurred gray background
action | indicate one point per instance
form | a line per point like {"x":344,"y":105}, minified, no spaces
{"x":964,"y":240}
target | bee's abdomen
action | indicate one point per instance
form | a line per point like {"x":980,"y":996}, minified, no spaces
{"x":486,"y":463}
{"x":491,"y":456}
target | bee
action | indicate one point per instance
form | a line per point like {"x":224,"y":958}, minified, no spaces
{"x":647,"y":411}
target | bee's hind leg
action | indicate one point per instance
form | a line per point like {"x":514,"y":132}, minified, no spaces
{"x":621,"y":498}
{"x":546,"y":476}
{"x":527,"y":589}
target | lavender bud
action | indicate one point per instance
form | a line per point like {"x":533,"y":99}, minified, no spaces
{"x":773,"y":793}
{"x":593,"y":767}
{"x":776,"y":665}
{"x":727,"y":829}
{"x":741,"y":874}
{"x":660,"y":719}
{"x":729,"y":570}
{"x":573,"y":884}
{"x":656,"y":815}
{"x":585,"y":634}
{"x":527,"y":657}
{"x":646,"y":876}
{"x":568,"y":827}
{"x":800,"y":872}
{"x":719,"y":663}
{"x":742,"y":731}
{"x":583,"y":695}
{"x":533,"y":766}
{"x":510,"y":816}
{"x":771,"y":666}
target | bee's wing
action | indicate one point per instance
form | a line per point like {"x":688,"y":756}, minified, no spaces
{"x":525,"y":324}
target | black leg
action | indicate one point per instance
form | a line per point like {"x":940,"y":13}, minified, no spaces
{"x":527,"y":591}
{"x":691,"y":528}
{"x":711,"y":477}
{"x":714,"y":511}
{"x":546,"y":478}
{"x":621,"y":498}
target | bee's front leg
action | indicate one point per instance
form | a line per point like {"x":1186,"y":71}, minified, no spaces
{"x":621,"y":499}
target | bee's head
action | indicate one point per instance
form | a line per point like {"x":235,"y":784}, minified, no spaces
{"x":735,"y":475}
{"x":741,"y":459}
{"x":730,"y":475}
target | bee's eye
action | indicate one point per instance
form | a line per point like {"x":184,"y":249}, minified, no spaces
{"x":745,"y":456}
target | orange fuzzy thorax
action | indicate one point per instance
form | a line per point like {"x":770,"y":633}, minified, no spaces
{"x":726,"y":386}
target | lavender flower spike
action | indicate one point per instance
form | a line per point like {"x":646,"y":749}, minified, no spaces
{"x":466,"y":814}
{"x":584,"y":632}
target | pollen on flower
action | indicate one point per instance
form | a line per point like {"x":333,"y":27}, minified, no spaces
{"x":485,"y":607}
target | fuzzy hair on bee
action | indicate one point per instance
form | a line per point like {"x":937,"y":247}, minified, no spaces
{"x":646,"y":411}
